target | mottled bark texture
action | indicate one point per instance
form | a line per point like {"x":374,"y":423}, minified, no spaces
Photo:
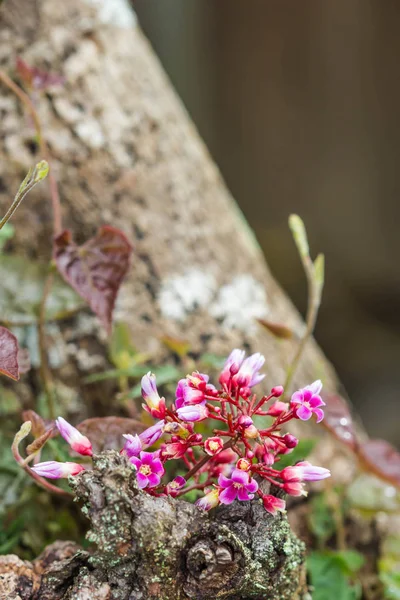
{"x":124,"y":152}
{"x":160,"y":548}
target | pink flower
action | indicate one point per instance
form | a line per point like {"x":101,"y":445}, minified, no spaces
{"x":78,"y":442}
{"x":304,"y":471}
{"x":243,"y":464}
{"x":248,"y":374}
{"x":175,"y":486}
{"x":238,"y":486}
{"x":209,"y":501}
{"x":133,"y":445}
{"x":151,"y":435}
{"x":213,"y":445}
{"x":174,"y":450}
{"x":231,"y":366}
{"x":277,"y":391}
{"x":149,"y":469}
{"x":273,"y":505}
{"x":57,"y":470}
{"x":307,"y":402}
{"x":155,"y":404}
{"x":186,"y":394}
{"x":192,"y":413}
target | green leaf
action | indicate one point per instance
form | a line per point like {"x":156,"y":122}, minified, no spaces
{"x":321,"y":519}
{"x":134,"y":371}
{"x":302,"y":450}
{"x":299,"y":233}
{"x":319,"y":273}
{"x":22,"y":283}
{"x":328,"y":578}
{"x":212,"y":361}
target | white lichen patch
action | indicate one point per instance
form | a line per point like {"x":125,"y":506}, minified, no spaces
{"x":240,"y":302}
{"x":182,"y":294}
{"x":89,"y":131}
{"x":115,"y":12}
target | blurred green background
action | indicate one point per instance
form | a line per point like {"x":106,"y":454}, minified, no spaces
{"x":298,"y":103}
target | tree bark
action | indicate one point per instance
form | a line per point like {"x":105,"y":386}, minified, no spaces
{"x":124,"y":152}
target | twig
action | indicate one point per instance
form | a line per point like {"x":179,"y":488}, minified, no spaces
{"x":25,"y":99}
{"x":44,"y":365}
{"x":23,"y":433}
{"x":34,"y":176}
{"x":315,"y":282}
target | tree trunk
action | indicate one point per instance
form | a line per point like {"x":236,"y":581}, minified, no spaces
{"x":125,"y":153}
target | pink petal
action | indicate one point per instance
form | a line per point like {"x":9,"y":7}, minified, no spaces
{"x":224,"y":481}
{"x":316,"y":401}
{"x":315,"y":387}
{"x":146,"y":458}
{"x":243,"y":495}
{"x":298,"y":397}
{"x":157,"y":467}
{"x":142,"y":480}
{"x":304,"y":413}
{"x":319,"y":414}
{"x":239,"y":476}
{"x":252,"y":486}
{"x":153,"y":479}
{"x":136,"y":462}
{"x":228,"y":496}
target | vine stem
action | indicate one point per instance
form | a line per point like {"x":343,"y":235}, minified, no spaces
{"x":206,"y":458}
{"x":44,"y":364}
{"x":46,"y":485}
{"x":27,"y":102}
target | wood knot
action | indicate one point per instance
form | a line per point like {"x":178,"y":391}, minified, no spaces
{"x":211,"y":565}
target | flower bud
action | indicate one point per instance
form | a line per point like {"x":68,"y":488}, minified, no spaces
{"x":290,"y":440}
{"x":78,"y":442}
{"x":57,"y":470}
{"x":213,"y":445}
{"x":277,"y":409}
{"x":277,"y":391}
{"x":243,"y":464}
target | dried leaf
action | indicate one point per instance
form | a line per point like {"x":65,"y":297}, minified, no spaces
{"x":382,"y":459}
{"x":39,"y":425}
{"x":96,"y":269}
{"x":105,"y":433}
{"x":338,"y":420}
{"x":35,"y":78}
{"x":277,"y":329}
{"x":8,"y":354}
{"x":39,"y":442}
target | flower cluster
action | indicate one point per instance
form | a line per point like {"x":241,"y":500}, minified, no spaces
{"x":238,"y":455}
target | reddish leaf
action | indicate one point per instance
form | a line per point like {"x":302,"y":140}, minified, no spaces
{"x":35,"y":78}
{"x":105,"y":433}
{"x":39,"y":425}
{"x":338,"y":420}
{"x":96,"y":269}
{"x":8,"y":354}
{"x":381,"y":458}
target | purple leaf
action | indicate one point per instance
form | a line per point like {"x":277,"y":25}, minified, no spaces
{"x":338,"y":420}
{"x":96,"y":269}
{"x":381,"y":458}
{"x":8,"y":354}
